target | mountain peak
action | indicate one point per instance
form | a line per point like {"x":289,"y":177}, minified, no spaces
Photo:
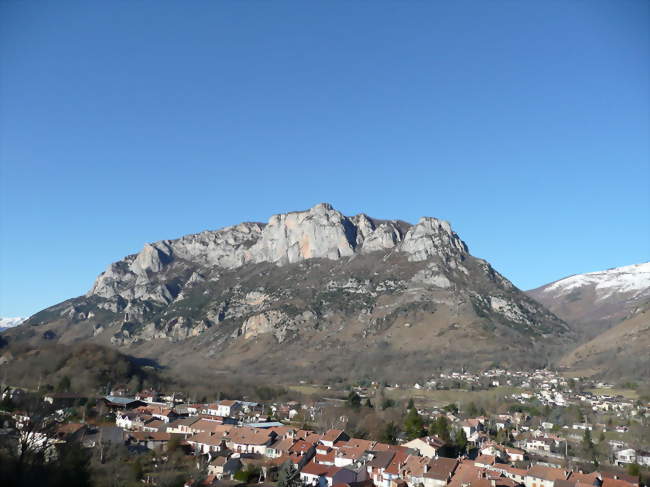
{"x":319,"y":232}
{"x":316,"y":279}
{"x":596,"y":301}
{"x":631,"y":278}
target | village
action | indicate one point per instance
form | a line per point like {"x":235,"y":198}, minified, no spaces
{"x":534,"y":443}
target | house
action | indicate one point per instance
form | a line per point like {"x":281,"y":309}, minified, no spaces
{"x":385,"y":467}
{"x":280,"y":447}
{"x":302,"y":452}
{"x":153,"y":425}
{"x":64,"y":399}
{"x":581,"y":479}
{"x":472,"y":427}
{"x":539,"y":444}
{"x":160,"y":412}
{"x":148,"y":396}
{"x":502,"y":421}
{"x":324,"y":455}
{"x":150,"y":440}
{"x":485,"y":461}
{"x":376,"y":466}
{"x":208,"y":425}
{"x":207,"y":442}
{"x":314,"y":474}
{"x":438,"y":472}
{"x":491,"y":448}
{"x":464,"y":474}
{"x":643,"y":458}
{"x":131,"y":420}
{"x":119,"y":402}
{"x":542,"y":476}
{"x":624,"y":457}
{"x":413,"y":468}
{"x":228,"y":408}
{"x":249,"y":440}
{"x":182,"y":425}
{"x":516,"y":474}
{"x":347,"y":455}
{"x":332,"y":436}
{"x":619,"y":480}
{"x":629,"y":455}
{"x":223,"y":408}
{"x":514,"y":454}
{"x":224,"y":467}
{"x":427,"y":446}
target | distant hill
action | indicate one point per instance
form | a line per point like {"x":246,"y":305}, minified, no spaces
{"x":313,"y":295}
{"x":594,"y":302}
{"x":610,"y":310}
{"x":88,"y":366}
{"x":620,"y":352}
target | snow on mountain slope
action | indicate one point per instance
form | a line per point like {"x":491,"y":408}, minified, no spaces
{"x":594,"y":302}
{"x":10,"y":322}
{"x":629,"y":279}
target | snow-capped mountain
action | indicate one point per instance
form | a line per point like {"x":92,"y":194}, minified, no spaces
{"x":10,"y":322}
{"x":633,"y":279}
{"x":597,"y":301}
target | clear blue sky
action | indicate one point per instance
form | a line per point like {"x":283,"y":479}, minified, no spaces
{"x":523,"y":123}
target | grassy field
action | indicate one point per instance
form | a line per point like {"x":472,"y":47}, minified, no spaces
{"x":441,"y":398}
{"x":423,"y":397}
{"x":309,"y":390}
{"x":627,"y":393}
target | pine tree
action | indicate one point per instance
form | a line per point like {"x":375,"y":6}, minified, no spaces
{"x":440,"y":428}
{"x":354,"y":400}
{"x":389,"y":434}
{"x":413,"y":424}
{"x":460,"y":441}
{"x":288,"y":476}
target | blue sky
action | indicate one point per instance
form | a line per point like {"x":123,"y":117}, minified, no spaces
{"x":525,"y":124}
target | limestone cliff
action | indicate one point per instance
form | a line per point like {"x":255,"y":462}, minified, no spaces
{"x":303,"y":288}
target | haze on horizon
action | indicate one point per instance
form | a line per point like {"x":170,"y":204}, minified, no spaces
{"x":524,"y":125}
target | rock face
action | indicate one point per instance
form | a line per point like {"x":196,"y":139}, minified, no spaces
{"x":320,"y":232}
{"x":313,"y":292}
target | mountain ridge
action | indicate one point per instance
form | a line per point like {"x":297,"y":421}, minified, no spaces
{"x":596,"y":301}
{"x":383,"y":296}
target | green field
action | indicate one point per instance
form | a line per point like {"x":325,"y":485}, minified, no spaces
{"x":626,"y":393}
{"x":423,"y":397}
{"x":310,"y":390}
{"x":437,"y":398}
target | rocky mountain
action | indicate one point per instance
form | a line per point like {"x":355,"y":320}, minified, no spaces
{"x":6,"y":323}
{"x":595,"y":302}
{"x":312,"y":294}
